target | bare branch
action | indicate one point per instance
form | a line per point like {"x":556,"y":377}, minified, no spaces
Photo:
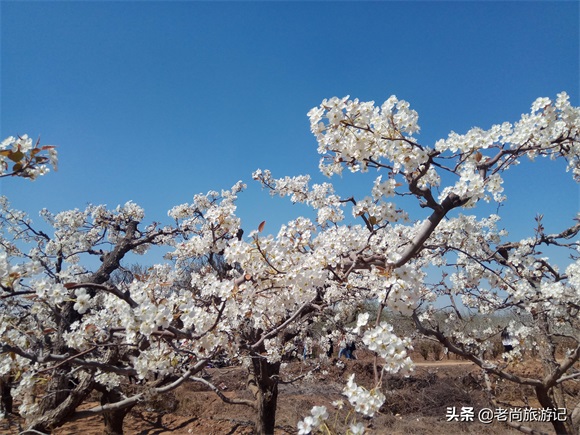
{"x":138,"y":397}
{"x":222,"y":396}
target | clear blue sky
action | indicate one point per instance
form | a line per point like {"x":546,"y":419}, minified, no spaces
{"x":156,"y":101}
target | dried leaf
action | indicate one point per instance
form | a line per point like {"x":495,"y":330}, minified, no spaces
{"x":16,"y":156}
{"x":261,"y":226}
{"x":386,"y":272}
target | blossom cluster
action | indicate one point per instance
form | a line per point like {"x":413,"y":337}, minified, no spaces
{"x":321,"y":196}
{"x":384,"y":342}
{"x":358,"y":133}
{"x":367,"y":402}
{"x":318,"y":415}
{"x":318,"y":422}
{"x":20,"y":156}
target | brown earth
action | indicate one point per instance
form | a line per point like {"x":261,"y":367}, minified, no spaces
{"x":415,"y":405}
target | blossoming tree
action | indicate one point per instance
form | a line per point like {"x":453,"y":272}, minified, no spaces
{"x":71,"y":327}
{"x":542,"y":302}
{"x":390,"y":258}
{"x":71,"y":330}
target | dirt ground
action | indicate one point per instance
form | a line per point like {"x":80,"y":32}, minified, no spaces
{"x":415,"y":405}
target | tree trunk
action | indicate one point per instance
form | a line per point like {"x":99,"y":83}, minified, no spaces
{"x":551,"y":396}
{"x":575,"y":417}
{"x":113,"y":419}
{"x":264,"y":383}
{"x":57,"y":390}
{"x":60,"y":385}
{"x":49,"y":419}
{"x":5,"y":387}
{"x":546,"y":401}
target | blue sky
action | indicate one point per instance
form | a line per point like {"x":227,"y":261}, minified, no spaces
{"x":157,"y":101}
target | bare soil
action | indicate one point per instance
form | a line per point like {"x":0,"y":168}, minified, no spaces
{"x":415,"y":405}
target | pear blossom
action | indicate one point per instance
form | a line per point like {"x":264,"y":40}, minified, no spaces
{"x":246,"y":295}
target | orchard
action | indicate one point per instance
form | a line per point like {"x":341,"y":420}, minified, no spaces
{"x":69,"y":330}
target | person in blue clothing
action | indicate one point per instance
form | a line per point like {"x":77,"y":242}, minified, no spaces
{"x":342,"y":348}
{"x":347,"y":349}
{"x":350,"y":348}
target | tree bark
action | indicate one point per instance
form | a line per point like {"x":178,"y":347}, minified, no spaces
{"x":113,"y":419}
{"x":545,"y":398}
{"x":6,"y":394}
{"x":58,"y":389}
{"x":551,"y":396}
{"x":264,"y":383}
{"x":53,"y":418}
